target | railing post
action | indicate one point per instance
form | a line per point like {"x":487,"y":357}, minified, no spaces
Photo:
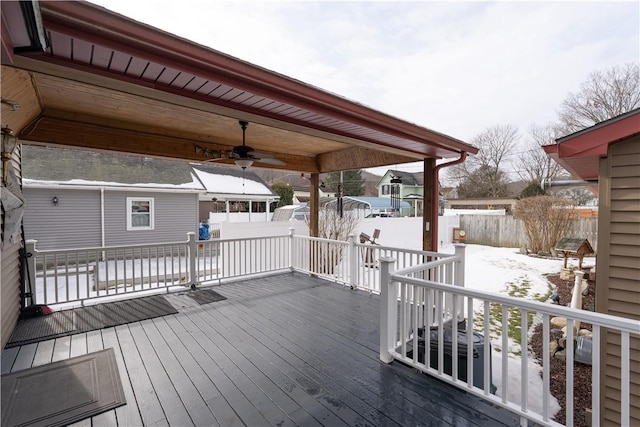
{"x":193,"y":254}
{"x":388,"y":309}
{"x":458,"y":278}
{"x":353,"y":261}
{"x":30,"y":255}
{"x":292,"y":232}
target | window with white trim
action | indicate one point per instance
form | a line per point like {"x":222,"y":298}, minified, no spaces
{"x":386,"y":189}
{"x":140,"y":213}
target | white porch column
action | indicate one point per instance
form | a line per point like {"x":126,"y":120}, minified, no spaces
{"x":226,"y":203}
{"x":388,"y":309}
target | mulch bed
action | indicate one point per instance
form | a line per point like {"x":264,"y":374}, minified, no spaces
{"x":581,"y":373}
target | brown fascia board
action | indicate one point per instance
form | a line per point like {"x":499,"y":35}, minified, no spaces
{"x":101,"y":26}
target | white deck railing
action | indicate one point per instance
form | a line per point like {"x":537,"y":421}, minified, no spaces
{"x":410,"y":322}
{"x":76,"y":275}
{"x":418,"y":290}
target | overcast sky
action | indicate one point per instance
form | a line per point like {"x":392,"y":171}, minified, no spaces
{"x":454,"y":67}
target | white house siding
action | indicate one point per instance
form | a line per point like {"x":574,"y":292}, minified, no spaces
{"x":73,"y":223}
{"x":618,"y":293}
{"x":10,"y":276}
{"x":176,"y":214}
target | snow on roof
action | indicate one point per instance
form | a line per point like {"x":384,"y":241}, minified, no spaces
{"x":193,"y":185}
{"x":228,"y":184}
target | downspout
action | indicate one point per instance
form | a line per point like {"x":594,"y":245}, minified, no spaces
{"x":436,"y":198}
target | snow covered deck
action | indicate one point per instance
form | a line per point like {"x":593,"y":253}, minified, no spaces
{"x":287,"y":349}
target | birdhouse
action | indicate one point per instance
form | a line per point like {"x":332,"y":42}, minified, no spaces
{"x":575,"y":248}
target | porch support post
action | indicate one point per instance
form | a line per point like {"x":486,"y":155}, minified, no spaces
{"x":353,"y":261}
{"x":430,"y":208}
{"x":314,"y":204}
{"x":30,"y":252}
{"x":193,"y":253}
{"x":388,"y":309}
{"x":458,"y":278}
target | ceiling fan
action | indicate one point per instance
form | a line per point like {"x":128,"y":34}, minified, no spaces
{"x":242,"y":155}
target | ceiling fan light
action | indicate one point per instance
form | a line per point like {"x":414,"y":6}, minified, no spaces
{"x":244,"y":163}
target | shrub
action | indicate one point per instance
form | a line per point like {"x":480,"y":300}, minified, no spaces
{"x":545,"y":219}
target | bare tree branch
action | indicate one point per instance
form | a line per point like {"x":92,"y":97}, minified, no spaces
{"x":604,"y":95}
{"x":534,"y":164}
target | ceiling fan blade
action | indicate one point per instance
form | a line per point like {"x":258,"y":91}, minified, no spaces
{"x":270,"y":161}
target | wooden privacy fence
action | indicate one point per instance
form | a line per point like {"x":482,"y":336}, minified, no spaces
{"x":509,"y":232}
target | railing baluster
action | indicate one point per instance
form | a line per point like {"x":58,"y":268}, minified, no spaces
{"x":524,"y":371}
{"x":470,"y":343}
{"x":454,"y":340}
{"x":505,"y":353}
{"x":569,"y":372}
{"x":440,"y":333}
{"x":546,"y":371}
{"x":55,"y":275}
{"x":595,"y":374}
{"x":624,"y":378}
{"x":487,"y":353}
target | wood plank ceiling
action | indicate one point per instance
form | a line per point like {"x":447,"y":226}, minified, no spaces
{"x":107,"y":82}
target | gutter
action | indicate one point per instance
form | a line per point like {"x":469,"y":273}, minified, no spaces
{"x":435,"y":196}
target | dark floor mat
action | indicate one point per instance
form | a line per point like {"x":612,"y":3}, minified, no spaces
{"x":90,"y":384}
{"x":56,"y":324}
{"x":84,"y":319}
{"x":205,"y":296}
{"x":135,"y":310}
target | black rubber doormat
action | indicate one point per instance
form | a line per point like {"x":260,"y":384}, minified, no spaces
{"x":54,"y":325}
{"x":85,"y":319}
{"x":205,"y":296}
{"x":63,"y":392}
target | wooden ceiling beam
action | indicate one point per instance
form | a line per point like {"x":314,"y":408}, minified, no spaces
{"x":359,"y":158}
{"x":61,"y":132}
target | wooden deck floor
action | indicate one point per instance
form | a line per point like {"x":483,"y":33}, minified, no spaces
{"x":283,"y":350}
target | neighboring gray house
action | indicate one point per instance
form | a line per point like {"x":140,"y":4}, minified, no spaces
{"x":79,"y":199}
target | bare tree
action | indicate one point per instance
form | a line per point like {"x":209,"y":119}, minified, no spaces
{"x":482,"y":175}
{"x":328,"y":255}
{"x":534,"y":165}
{"x":604,"y":95}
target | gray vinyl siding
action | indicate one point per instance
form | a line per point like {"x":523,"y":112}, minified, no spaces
{"x":175,"y":215}
{"x":73,"y":223}
{"x":10,"y":277}
{"x":620,"y":289}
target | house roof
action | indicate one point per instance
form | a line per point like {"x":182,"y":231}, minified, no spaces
{"x":580,"y":152}
{"x":57,"y":166}
{"x":46,"y":166}
{"x":229,"y":180}
{"x":162,"y":95}
{"x":408,"y":178}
